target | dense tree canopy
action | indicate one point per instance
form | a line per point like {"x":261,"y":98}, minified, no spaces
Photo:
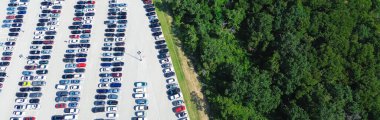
{"x":284,"y":59}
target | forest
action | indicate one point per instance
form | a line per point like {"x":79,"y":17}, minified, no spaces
{"x":283,"y":59}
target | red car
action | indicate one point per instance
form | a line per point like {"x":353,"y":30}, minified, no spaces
{"x":77,"y":18}
{"x":29,"y":118}
{"x":30,"y":67}
{"x":147,"y":1}
{"x":74,"y":36}
{"x":11,"y":17}
{"x":179,"y":109}
{"x":6,"y":58}
{"x":56,"y":11}
{"x":48,"y":42}
{"x":90,"y":2}
{"x":60,"y":105}
{"x":81,"y":65}
{"x":86,"y":31}
{"x":117,"y":74}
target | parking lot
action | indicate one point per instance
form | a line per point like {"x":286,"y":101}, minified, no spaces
{"x":98,"y":66}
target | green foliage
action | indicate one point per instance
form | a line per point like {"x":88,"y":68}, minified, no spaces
{"x":284,"y":59}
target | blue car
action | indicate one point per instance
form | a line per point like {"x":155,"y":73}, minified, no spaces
{"x":11,"y":9}
{"x":122,"y":5}
{"x":24,"y":0}
{"x":102,"y":90}
{"x":105,"y":64}
{"x":64,"y":82}
{"x":87,"y":26}
{"x":76,"y":99}
{"x":6,"y":26}
{"x":141,"y":101}
{"x":21,"y":12}
{"x":81,"y":60}
{"x":11,"y":13}
{"x":41,"y":28}
{"x":70,"y":51}
{"x":75,"y":81}
{"x":73,"y":104}
{"x":115,"y":85}
{"x":7,"y":21}
{"x":85,"y":36}
{"x":26,"y":73}
{"x":21,"y":8}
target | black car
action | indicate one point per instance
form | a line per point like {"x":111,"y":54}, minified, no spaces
{"x":21,"y":94}
{"x":122,"y":17}
{"x":120,"y":35}
{"x":79,"y":14}
{"x":39,"y":72}
{"x":4,"y":63}
{"x":173,"y":91}
{"x":76,"y":32}
{"x":3,"y":74}
{"x":157,"y":33}
{"x":109,"y":30}
{"x":57,"y":117}
{"x":37,"y":42}
{"x":81,"y":55}
{"x":160,"y":42}
{"x":154,"y":25}
{"x":118,"y":54}
{"x":57,"y":7}
{"x":34,"y":52}
{"x":49,"y":37}
{"x":79,"y":6}
{"x":43,"y":20}
{"x":34,"y":101}
{"x":46,"y":11}
{"x":98,"y":103}
{"x":111,"y":17}
{"x":74,"y":27}
{"x":117,"y":63}
{"x":41,"y":24}
{"x":61,"y":93}
{"x":111,"y":25}
{"x":16,"y":25}
{"x":7,"y":53}
{"x":163,"y":51}
{"x":46,"y":3}
{"x":19,"y":16}
{"x":109,"y":34}
{"x":100,"y":96}
{"x":12,"y":34}
{"x":69,"y":55}
{"x":148,"y":6}
{"x":25,"y":89}
{"x":2,"y":79}
{"x":169,"y":74}
{"x":107,"y":48}
{"x":98,"y":109}
{"x":153,"y":21}
{"x":35,"y":89}
{"x":116,"y":69}
{"x":161,"y":46}
{"x":18,"y":20}
{"x":45,"y":57}
{"x":47,"y":47}
{"x":51,"y":33}
{"x":119,"y":49}
{"x":68,"y":60}
{"x":85,"y":45}
{"x":90,"y":14}
{"x":112,"y":102}
{"x":150,"y":10}
{"x":14,"y":29}
{"x":120,"y":30}
{"x":34,"y":57}
{"x":101,"y":90}
{"x":150,"y":13}
{"x":77,"y":23}
{"x":111,"y":13}
{"x":106,"y":59}
{"x":80,"y":70}
{"x":122,"y":13}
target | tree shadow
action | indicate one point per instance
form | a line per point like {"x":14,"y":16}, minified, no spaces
{"x":199,"y":102}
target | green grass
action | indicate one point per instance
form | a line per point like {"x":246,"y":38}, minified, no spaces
{"x":176,"y":61}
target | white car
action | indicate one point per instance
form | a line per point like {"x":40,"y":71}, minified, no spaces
{"x":170,"y":80}
{"x":104,"y":69}
{"x":102,"y":85}
{"x":39,"y":77}
{"x":90,"y":10}
{"x":72,"y":110}
{"x":61,"y":87}
{"x":78,"y":76}
{"x":26,"y":77}
{"x":12,"y":39}
{"x":74,"y":87}
{"x":120,"y":39}
{"x":87,"y":21}
{"x":139,"y":95}
{"x":167,"y":70}
{"x":38,"y":33}
{"x":32,"y":106}
{"x":117,"y":59}
{"x":139,"y":90}
{"x":34,"y":47}
{"x":163,"y":61}
{"x":52,"y":28}
{"x":19,"y":107}
{"x":83,"y":50}
{"x":112,"y":115}
{"x":37,"y":37}
{"x":31,"y":62}
{"x":18,"y":113}
{"x":176,"y":96}
{"x":111,"y":108}
{"x":140,"y":113}
{"x":8,"y":48}
{"x":3,"y":68}
{"x":42,"y":66}
{"x":73,"y":41}
{"x":115,"y":80}
{"x":140,"y":107}
{"x":70,"y":117}
{"x":20,"y":100}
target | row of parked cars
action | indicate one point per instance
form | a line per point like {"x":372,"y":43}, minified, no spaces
{"x":68,"y":88}
{"x":34,"y":74}
{"x":13,"y":21}
{"x":140,"y":95}
{"x":174,"y":92}
{"x":111,"y":66}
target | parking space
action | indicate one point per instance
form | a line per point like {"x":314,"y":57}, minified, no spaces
{"x":138,"y":66}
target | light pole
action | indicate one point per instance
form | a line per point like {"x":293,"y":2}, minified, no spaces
{"x":139,"y":53}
